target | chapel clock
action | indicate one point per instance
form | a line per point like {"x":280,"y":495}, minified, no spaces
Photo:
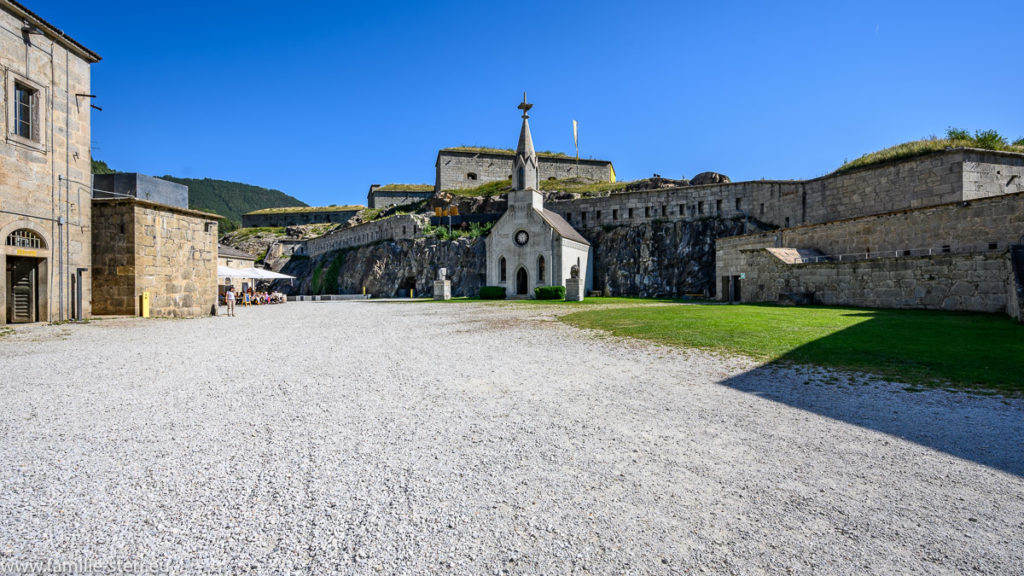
{"x":522,"y":237}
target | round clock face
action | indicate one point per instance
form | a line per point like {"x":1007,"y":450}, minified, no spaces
{"x":522,"y":237}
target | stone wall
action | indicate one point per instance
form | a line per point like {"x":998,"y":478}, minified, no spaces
{"x":978,"y":225}
{"x":113,"y":261}
{"x":378,"y":198}
{"x":940,"y":178}
{"x":970,"y":282}
{"x":455,"y":167}
{"x":168,"y":252}
{"x":46,"y":178}
{"x":393,"y":228}
{"x":297,"y":218}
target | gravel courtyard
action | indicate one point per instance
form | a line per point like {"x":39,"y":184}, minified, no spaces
{"x":422,"y":438}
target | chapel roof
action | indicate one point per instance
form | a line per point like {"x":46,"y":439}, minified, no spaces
{"x":561,"y":227}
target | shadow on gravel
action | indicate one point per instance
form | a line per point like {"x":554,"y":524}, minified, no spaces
{"x":988,"y":430}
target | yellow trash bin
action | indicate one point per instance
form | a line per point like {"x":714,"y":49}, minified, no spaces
{"x":144,"y":304}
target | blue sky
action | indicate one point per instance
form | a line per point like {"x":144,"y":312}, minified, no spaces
{"x":320,"y":99}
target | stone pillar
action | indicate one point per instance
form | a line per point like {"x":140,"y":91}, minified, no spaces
{"x":574,"y":289}
{"x":442,"y":286}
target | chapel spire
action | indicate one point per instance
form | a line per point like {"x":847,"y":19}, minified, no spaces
{"x":525,"y":163}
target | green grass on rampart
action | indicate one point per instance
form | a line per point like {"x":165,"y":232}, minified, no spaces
{"x":914,"y":346}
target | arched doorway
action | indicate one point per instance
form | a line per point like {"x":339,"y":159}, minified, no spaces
{"x":25,"y":277}
{"x":521,"y":281}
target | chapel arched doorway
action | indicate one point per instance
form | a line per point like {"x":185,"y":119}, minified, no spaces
{"x":521,"y":281}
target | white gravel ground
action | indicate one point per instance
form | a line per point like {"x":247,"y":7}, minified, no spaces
{"x":402,"y":438}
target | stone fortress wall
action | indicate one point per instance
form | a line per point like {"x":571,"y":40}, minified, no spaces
{"x":952,"y":256}
{"x":286,"y":217}
{"x":467,"y":169}
{"x":393,"y":228}
{"x":950,"y":176}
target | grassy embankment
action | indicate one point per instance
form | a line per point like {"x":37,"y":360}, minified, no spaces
{"x":915,"y":346}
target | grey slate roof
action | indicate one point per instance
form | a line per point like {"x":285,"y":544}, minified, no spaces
{"x":229,"y":252}
{"x":563,"y":228}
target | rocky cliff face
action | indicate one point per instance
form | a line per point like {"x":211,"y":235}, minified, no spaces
{"x":655,"y":260}
{"x":660,"y":259}
{"x":391,"y":268}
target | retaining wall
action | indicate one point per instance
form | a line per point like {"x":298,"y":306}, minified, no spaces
{"x":455,"y":167}
{"x":393,"y":228}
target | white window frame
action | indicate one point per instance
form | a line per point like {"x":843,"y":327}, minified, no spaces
{"x":38,"y":140}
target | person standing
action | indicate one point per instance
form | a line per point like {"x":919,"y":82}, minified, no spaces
{"x":229,"y":299}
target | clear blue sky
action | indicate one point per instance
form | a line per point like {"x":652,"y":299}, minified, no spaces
{"x":320,"y":99}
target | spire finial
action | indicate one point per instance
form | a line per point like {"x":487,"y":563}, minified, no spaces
{"x":525,"y":107}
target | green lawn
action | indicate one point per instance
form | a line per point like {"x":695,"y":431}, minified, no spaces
{"x":916,"y":346}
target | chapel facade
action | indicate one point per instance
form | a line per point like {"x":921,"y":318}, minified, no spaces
{"x":529,"y":245}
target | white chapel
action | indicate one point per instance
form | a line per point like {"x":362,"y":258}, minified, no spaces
{"x":530,"y":246}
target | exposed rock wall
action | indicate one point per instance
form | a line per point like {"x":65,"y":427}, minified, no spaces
{"x":658,"y":259}
{"x":392,"y":267}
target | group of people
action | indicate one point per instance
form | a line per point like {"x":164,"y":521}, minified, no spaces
{"x":250,"y":297}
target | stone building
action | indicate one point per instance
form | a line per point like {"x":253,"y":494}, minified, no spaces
{"x":170,"y":253}
{"x":467,"y":167}
{"x":299,"y":215}
{"x":530,"y":246}
{"x":45,"y":210}
{"x":230,"y":257}
{"x":397,"y":194}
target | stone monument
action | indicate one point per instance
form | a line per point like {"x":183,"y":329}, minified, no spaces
{"x":442,"y":286}
{"x":574,"y":285}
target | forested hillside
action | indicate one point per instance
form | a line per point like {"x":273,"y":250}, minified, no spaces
{"x":229,"y":199}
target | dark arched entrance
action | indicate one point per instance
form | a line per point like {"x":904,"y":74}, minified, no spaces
{"x":521,"y":282}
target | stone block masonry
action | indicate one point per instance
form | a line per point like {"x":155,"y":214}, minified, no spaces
{"x":393,"y":228}
{"x":978,"y":282}
{"x":458,"y":169}
{"x":44,"y":172}
{"x":951,"y":176}
{"x":145,"y":247}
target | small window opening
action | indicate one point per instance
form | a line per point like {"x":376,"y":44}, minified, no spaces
{"x":568,"y":216}
{"x":787,"y":221}
{"x":945,"y":248}
{"x":739,"y":203}
{"x":647,"y":211}
{"x":700,"y":207}
{"x":598,"y":215}
{"x":471,"y":176}
{"x":682,"y":210}
{"x":631,"y":213}
{"x":502,"y":274}
{"x":718,"y":206}
{"x":993,"y":245}
{"x":615,"y":213}
{"x":762,"y":208}
{"x":664,"y":210}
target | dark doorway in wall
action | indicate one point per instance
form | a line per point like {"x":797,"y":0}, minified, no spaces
{"x":22,"y":290}
{"x":731,"y":288}
{"x":521,"y":282}
{"x":408,"y":284}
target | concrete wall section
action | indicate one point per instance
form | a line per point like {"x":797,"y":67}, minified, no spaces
{"x":992,"y":173}
{"x":140,"y":186}
{"x":385,"y":198}
{"x":393,"y":228}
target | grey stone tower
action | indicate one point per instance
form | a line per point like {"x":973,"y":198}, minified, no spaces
{"x":524,"y":169}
